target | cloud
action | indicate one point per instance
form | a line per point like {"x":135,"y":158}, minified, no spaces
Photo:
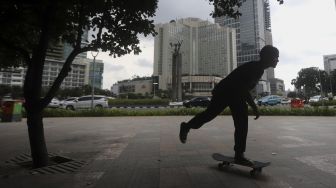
{"x":176,"y":9}
{"x":108,"y":67}
{"x":303,"y":32}
{"x":145,"y":63}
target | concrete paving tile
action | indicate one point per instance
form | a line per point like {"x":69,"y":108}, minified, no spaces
{"x":174,"y":177}
{"x":202,"y":176}
{"x":235,"y":177}
{"x":146,"y":152}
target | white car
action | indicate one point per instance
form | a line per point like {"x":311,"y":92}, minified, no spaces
{"x":54,"y":103}
{"x":67,"y":101}
{"x":286,"y":101}
{"x":84,"y":102}
{"x":316,"y":98}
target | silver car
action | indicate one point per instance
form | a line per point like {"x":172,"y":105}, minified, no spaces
{"x":84,"y":102}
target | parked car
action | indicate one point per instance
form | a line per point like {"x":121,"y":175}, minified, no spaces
{"x":197,"y":102}
{"x":84,"y":102}
{"x":54,"y":103}
{"x":269,"y":100}
{"x":317,"y":98}
{"x":286,"y":101}
{"x":67,"y":101}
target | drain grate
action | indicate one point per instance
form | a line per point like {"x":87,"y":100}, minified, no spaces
{"x":57,"y":164}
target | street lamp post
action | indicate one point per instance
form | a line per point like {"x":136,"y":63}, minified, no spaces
{"x":154,"y":89}
{"x":94,"y":54}
{"x":321,"y":89}
{"x":331,"y":89}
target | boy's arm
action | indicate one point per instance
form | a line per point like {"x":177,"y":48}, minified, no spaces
{"x":254,"y":107}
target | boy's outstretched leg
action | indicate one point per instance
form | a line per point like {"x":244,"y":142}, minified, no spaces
{"x":184,"y":130}
{"x":215,"y":107}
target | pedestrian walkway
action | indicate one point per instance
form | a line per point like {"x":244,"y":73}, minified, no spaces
{"x":145,"y":152}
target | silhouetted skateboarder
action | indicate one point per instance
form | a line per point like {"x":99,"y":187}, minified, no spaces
{"x":234,"y":91}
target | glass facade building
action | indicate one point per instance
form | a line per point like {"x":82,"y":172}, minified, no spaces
{"x":96,"y":73}
{"x":253,"y":31}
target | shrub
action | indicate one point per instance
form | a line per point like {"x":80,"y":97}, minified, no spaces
{"x":130,"y":102}
{"x":324,"y":103}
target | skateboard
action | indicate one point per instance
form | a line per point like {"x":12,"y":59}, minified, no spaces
{"x":229,"y":161}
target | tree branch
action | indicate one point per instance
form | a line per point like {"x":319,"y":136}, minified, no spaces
{"x":63,"y":73}
{"x":61,"y":76}
{"x":80,"y":27}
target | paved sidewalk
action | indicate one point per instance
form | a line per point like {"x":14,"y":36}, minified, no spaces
{"x":145,"y":152}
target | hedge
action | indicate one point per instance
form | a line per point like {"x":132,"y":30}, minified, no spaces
{"x":264,"y":111}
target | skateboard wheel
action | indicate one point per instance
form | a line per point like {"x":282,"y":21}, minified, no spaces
{"x":255,"y":172}
{"x":252,"y":172}
{"x":226,"y":163}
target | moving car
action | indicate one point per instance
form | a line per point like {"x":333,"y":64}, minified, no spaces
{"x":197,"y":102}
{"x":270,"y":100}
{"x":84,"y":102}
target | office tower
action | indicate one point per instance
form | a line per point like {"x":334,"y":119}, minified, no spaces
{"x":329,"y":63}
{"x":207,"y":49}
{"x":96,"y":71}
{"x":277,"y":87}
{"x":253,"y":31}
{"x":80,"y":74}
{"x":76,"y":77}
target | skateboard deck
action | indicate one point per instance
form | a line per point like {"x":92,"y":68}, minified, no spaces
{"x":229,"y":161}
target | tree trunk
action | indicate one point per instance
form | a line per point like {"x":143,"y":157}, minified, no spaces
{"x":38,"y":146}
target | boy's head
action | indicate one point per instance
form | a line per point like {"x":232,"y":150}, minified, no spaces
{"x":269,"y":56}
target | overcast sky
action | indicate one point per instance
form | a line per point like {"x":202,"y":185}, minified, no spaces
{"x":303,"y":30}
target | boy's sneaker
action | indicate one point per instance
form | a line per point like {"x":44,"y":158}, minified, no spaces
{"x":241,"y":159}
{"x":184,"y":132}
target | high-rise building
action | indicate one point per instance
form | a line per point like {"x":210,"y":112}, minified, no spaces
{"x":329,"y":63}
{"x":206,"y":49}
{"x":80,"y":74}
{"x":76,"y":77}
{"x":96,"y":71}
{"x":277,"y":87}
{"x":253,"y":31}
{"x":12,"y":76}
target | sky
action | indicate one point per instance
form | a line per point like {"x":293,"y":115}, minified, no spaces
{"x":303,"y":31}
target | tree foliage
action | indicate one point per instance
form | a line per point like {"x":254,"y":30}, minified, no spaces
{"x":311,"y":81}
